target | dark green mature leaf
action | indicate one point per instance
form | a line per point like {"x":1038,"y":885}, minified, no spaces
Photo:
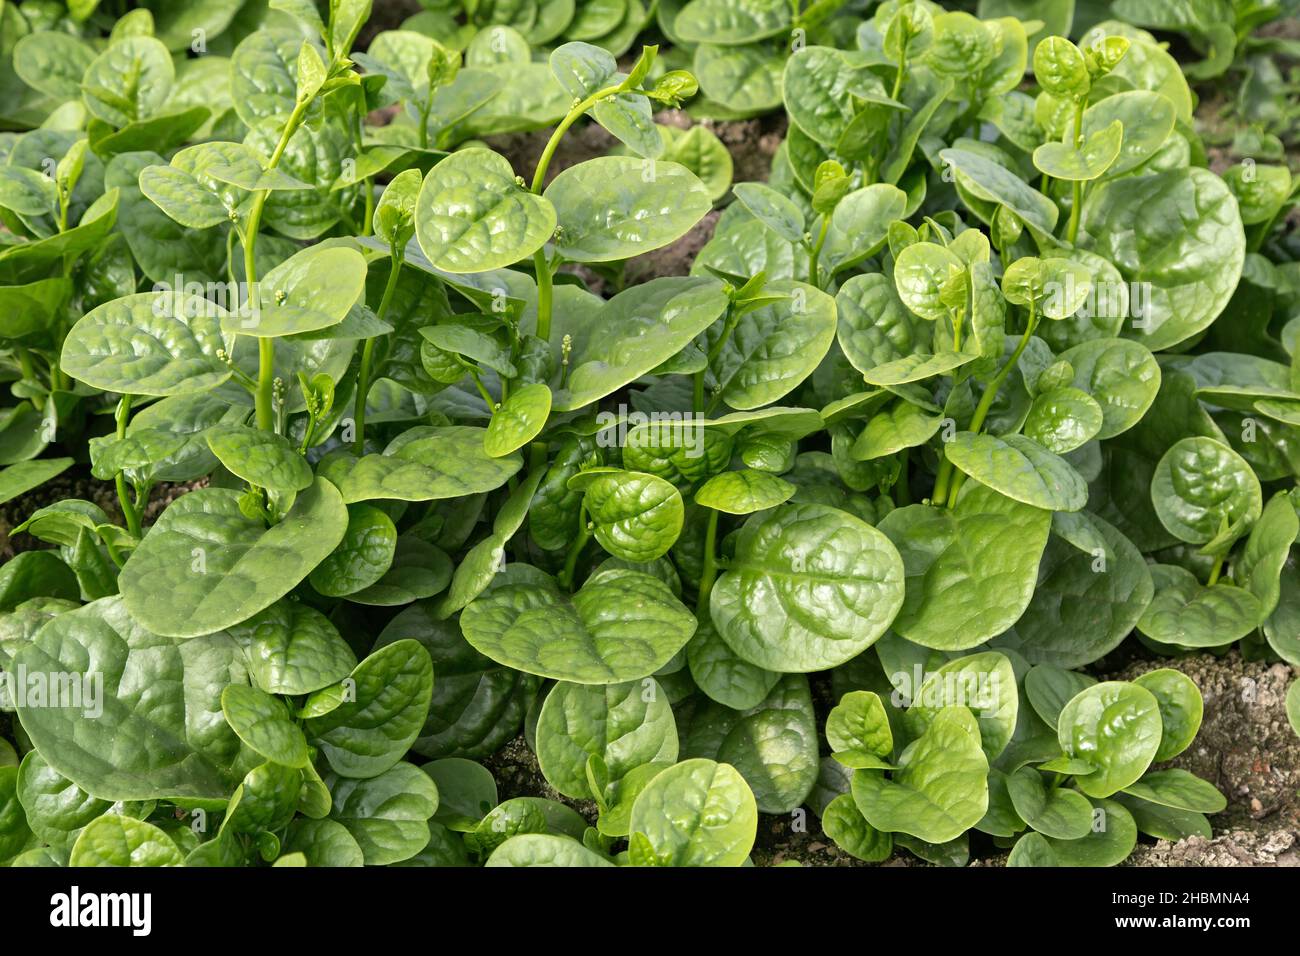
{"x":620,"y":625}
{"x":970,"y":570}
{"x":171,"y":744}
{"x":762,"y":605}
{"x":218,"y":566}
{"x":373,"y":727}
{"x":429,"y":463}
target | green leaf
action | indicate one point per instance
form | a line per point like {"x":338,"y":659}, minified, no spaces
{"x":743,"y":492}
{"x":293,"y":649}
{"x":324,"y":843}
{"x":429,"y":463}
{"x":772,"y":744}
{"x":634,"y":516}
{"x":635,"y":332}
{"x":473,"y":216}
{"x":264,"y":459}
{"x":1181,"y":708}
{"x":361,"y":558}
{"x":262,"y":722}
{"x":970,"y":570}
{"x":772,"y":209}
{"x":116,"y":840}
{"x":921,"y":272}
{"x":1201,"y":485}
{"x":1063,"y":419}
{"x":57,"y":809}
{"x":844,"y":823}
{"x":992,"y":183}
{"x":1059,"y":67}
{"x":1090,"y":160}
{"x":218,"y":567}
{"x":901,"y":426}
{"x":916,"y":368}
{"x":621,"y":625}
{"x":614,"y":207}
{"x":52,"y":62}
{"x":1178,"y":231}
{"x":545,"y":850}
{"x":1055,"y":812}
{"x":1178,"y":790}
{"x":22,"y":477}
{"x":129,"y":81}
{"x":388,"y":814}
{"x":624,"y":725}
{"x":151,"y":343}
{"x":698,"y":813}
{"x":1086,"y":601}
{"x":518,"y":420}
{"x":760,"y":605}
{"x":985,"y":684}
{"x":1123,"y":377}
{"x":1185,"y":613}
{"x":1019,"y":468}
{"x":263,"y":75}
{"x":860,"y":225}
{"x":369,"y":733}
{"x":722,"y":675}
{"x":731,"y":22}
{"x":309,"y":291}
{"x":1147,"y":119}
{"x":1259,"y":567}
{"x":940,"y":789}
{"x":169,"y":744}
{"x":858,"y":731}
{"x":1114,"y":726}
{"x":775,"y":348}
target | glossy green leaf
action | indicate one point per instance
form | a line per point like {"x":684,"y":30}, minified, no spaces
{"x":620,"y":625}
{"x":760,"y":605}
{"x":218,"y":566}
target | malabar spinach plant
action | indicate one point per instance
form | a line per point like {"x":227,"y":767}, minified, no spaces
{"x":991,"y":373}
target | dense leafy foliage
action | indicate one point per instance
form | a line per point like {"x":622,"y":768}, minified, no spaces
{"x":989,"y":374}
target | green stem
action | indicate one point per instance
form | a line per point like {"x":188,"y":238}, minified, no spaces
{"x":544,"y":284}
{"x":575,"y":550}
{"x":539,"y":174}
{"x":710,"y":572}
{"x":991,"y":393}
{"x":814,"y":254}
{"x":542,"y":267}
{"x":367,"y":225}
{"x":368,"y":351}
{"x":1215,"y":571}
{"x":1076,"y":188}
{"x":1076,"y":203}
{"x":898,"y":77}
{"x":113,"y":553}
{"x":697,"y":402}
{"x":482,"y":390}
{"x":941,"y":482}
{"x":265,"y":347}
{"x":129,"y":510}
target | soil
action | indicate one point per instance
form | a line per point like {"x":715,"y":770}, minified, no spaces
{"x":751,"y":143}
{"x":76,"y":483}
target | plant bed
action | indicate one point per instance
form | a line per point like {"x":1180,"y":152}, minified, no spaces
{"x":696,"y":435}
